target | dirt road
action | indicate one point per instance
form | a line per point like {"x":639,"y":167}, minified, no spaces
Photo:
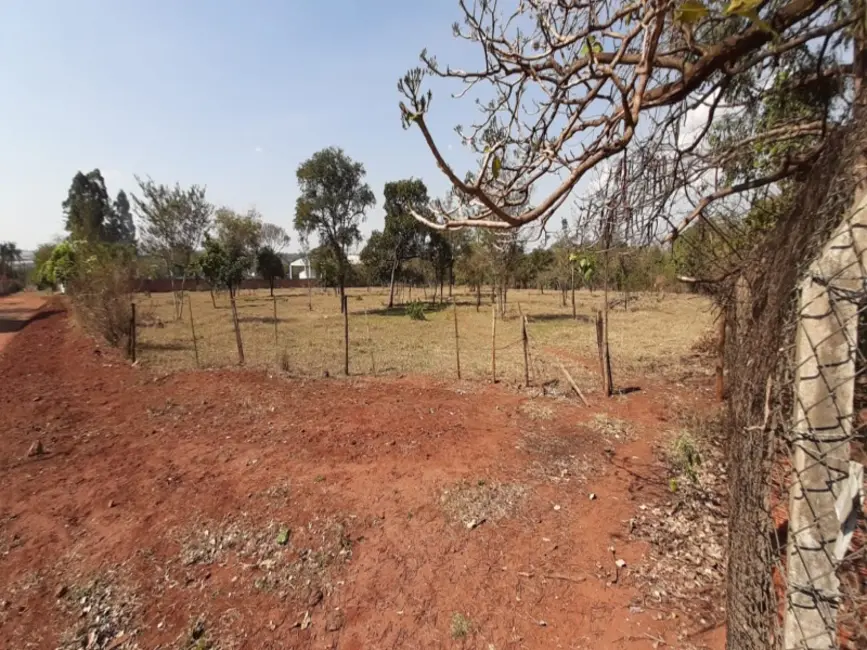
{"x":15,"y":311}
{"x":241,"y":510}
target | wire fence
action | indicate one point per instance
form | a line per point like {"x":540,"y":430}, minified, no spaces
{"x":797,"y":571}
{"x":524,"y":343}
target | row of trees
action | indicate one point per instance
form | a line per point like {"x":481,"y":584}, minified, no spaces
{"x":181,"y":235}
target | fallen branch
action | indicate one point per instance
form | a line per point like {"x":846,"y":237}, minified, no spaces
{"x":572,"y":383}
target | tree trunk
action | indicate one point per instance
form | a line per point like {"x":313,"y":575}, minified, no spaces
{"x":213,"y":299}
{"x":391,"y":286}
{"x":271,"y":286}
{"x":826,"y":347}
{"x":574,"y":312}
{"x":237,"y":325}
{"x":478,"y":296}
{"x":342,"y":296}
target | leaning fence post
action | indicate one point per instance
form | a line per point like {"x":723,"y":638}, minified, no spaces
{"x":345,"y":336}
{"x":193,"y":329}
{"x":494,"y":343}
{"x":132,"y":332}
{"x":237,"y":329}
{"x":457,"y":337}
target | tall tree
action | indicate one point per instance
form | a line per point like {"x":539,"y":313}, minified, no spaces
{"x":120,"y":226}
{"x":274,"y":237}
{"x":269,"y":266}
{"x":333,"y":201}
{"x":88,"y":209}
{"x":240,"y":234}
{"x":438,"y":253}
{"x":10,"y":255}
{"x":172,"y":224}
{"x":403,"y":237}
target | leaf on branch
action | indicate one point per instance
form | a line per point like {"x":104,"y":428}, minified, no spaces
{"x":749,"y":9}
{"x":591,"y":44}
{"x":690,"y":12}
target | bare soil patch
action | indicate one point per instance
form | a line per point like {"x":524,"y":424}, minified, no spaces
{"x":240,"y":509}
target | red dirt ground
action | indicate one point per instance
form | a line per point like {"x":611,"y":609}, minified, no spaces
{"x":135,"y":465}
{"x":15,"y":311}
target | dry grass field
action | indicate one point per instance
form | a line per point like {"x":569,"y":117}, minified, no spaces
{"x":652,"y":338}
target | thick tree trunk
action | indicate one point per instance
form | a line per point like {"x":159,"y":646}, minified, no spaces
{"x":826,"y":347}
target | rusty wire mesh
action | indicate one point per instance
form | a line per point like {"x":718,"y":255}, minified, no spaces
{"x":797,"y":571}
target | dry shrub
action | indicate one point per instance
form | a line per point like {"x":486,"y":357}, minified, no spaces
{"x":708,"y":343}
{"x":101,"y":292}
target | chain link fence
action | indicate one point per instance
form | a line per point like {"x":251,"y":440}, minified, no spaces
{"x":797,"y":569}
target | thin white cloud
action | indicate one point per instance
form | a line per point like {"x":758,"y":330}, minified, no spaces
{"x":259,"y":150}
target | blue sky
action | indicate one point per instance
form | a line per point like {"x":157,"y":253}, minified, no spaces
{"x":228,"y":94}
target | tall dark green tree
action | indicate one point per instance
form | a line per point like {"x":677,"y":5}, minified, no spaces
{"x":403,"y":237}
{"x":269,"y":266}
{"x":87,"y":208}
{"x":438,"y":252}
{"x":333,"y":202}
{"x":120,"y":227}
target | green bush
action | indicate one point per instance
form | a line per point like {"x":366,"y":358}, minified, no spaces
{"x":99,"y":279}
{"x":415,"y":310}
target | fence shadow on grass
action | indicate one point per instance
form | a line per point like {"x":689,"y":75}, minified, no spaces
{"x":400,"y":310}
{"x":581,"y":318}
{"x":167,"y":346}
{"x":265,"y":320}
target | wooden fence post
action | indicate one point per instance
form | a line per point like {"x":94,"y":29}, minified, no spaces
{"x":574,"y":311}
{"x":345,"y":336}
{"x":132,"y":332}
{"x":457,"y":337}
{"x":604,"y":359}
{"x":526,"y":343}
{"x":237,"y":330}
{"x":721,"y":353}
{"x":370,"y":343}
{"x":276,"y":337}
{"x":193,"y":328}
{"x":494,"y":342}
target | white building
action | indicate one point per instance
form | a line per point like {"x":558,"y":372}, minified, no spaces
{"x":298,"y":268}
